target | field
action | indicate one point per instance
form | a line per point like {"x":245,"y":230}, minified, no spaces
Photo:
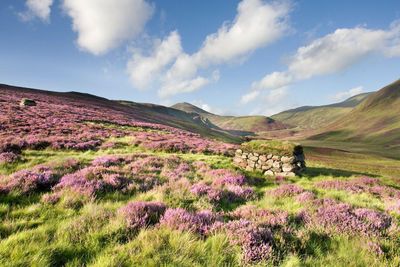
{"x":152,"y":207}
{"x":84,"y":186}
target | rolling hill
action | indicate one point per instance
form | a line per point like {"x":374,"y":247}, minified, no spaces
{"x":241,"y":125}
{"x":150,"y":113}
{"x":315,"y":117}
{"x":376,"y":120}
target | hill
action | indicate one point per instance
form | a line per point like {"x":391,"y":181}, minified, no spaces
{"x":241,"y":125}
{"x":375,"y":120}
{"x":315,"y":117}
{"x":131,"y":111}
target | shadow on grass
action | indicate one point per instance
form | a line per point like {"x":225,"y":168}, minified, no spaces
{"x":318,"y":171}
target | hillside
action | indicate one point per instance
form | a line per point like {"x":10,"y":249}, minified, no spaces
{"x":130,"y":111}
{"x":242,"y":125}
{"x":376,"y":120}
{"x":314,"y":117}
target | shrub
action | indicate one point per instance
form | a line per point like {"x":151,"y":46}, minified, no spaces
{"x":139,"y":215}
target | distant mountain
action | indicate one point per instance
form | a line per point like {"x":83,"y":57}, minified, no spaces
{"x":315,"y":117}
{"x":139,"y":112}
{"x":375,"y":120}
{"x":241,"y":125}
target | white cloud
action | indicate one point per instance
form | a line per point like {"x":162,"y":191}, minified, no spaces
{"x":273,"y":80}
{"x":184,"y":86}
{"x":104,"y":24}
{"x":142,"y":69}
{"x":333,"y":53}
{"x":37,"y":8}
{"x":256,"y":24}
{"x":347,"y":94}
{"x":249,"y":97}
{"x":272,"y":102}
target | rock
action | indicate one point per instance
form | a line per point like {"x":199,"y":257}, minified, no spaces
{"x":245,"y":154}
{"x":27,"y":102}
{"x":252,"y":164}
{"x":300,"y":158}
{"x":269,"y":173}
{"x":253,"y":158}
{"x":285,"y":159}
{"x":265,"y":167}
{"x":276,"y":158}
{"x":248,"y":168}
{"x":256,"y":154}
{"x":239,"y":151}
{"x":287,"y":167}
{"x":263,"y":158}
{"x":276,"y":165}
{"x":237,"y":160}
{"x":269,"y":156}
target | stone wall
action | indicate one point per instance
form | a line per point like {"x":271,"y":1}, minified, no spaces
{"x":270,"y":165}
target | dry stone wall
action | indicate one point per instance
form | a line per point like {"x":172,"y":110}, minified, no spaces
{"x":270,"y":165}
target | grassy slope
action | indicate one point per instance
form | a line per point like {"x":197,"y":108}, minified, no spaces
{"x":245,"y":124}
{"x":144,"y":112}
{"x":376,"y":121}
{"x":313,"y":117}
{"x":48,"y":235}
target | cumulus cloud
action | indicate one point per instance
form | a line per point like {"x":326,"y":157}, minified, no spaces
{"x":37,"y":9}
{"x":104,"y":24}
{"x":333,"y":53}
{"x":142,"y":69}
{"x":347,"y":94}
{"x":256,"y":24}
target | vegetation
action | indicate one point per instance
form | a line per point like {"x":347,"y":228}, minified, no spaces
{"x":274,"y":147}
{"x":80,"y":186}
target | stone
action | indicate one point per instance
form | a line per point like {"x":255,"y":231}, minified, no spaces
{"x":245,"y":154}
{"x":276,"y":165}
{"x":256,"y":154}
{"x":248,"y":168}
{"x":287,"y":167}
{"x":237,"y":160}
{"x":269,"y":173}
{"x":285,"y":159}
{"x":252,"y":164}
{"x":239,"y":151}
{"x":265,"y":167}
{"x":300,"y":158}
{"x":269,"y":156}
{"x":27,"y":102}
{"x":263,"y":158}
{"x":276,"y":158}
{"x":253,"y":158}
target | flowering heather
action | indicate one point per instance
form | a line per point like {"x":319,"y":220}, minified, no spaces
{"x":263,"y":216}
{"x":286,"y":190}
{"x":181,"y":142}
{"x":108,"y":160}
{"x":256,"y":241}
{"x":28,"y":181}
{"x":175,"y":169}
{"x":228,"y":178}
{"x":305,"y":197}
{"x":341,"y":217}
{"x":139,"y":215}
{"x":180,"y":219}
{"x":8,"y":157}
{"x":229,"y":193}
{"x":393,"y":205}
{"x":374,"y":248}
{"x":51,"y":198}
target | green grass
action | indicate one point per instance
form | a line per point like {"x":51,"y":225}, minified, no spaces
{"x":36,"y":234}
{"x":274,"y":147}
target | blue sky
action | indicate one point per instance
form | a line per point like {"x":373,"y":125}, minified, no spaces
{"x":230,"y":57}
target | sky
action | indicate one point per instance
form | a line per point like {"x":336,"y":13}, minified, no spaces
{"x":228,"y":57}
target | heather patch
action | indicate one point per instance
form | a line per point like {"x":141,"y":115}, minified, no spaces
{"x":138,"y":215}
